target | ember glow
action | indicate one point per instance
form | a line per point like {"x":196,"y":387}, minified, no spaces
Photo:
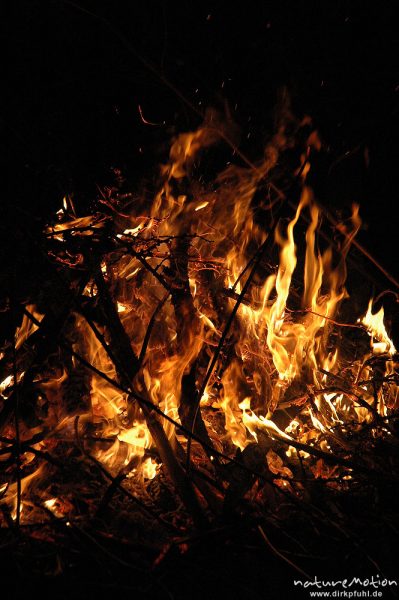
{"x":201,"y":312}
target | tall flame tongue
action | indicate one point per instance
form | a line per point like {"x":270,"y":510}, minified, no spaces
{"x":381,"y":345}
{"x":374,"y":323}
{"x":298,"y":346}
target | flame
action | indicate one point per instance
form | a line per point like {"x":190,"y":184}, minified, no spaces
{"x":121,"y":307}
{"x":190,"y":258}
{"x":5,"y":383}
{"x":54,"y":506}
{"x":201,"y":205}
{"x":137,"y":436}
{"x":10,"y":493}
{"x":374,"y":323}
{"x":380,"y":344}
{"x":27,"y":326}
{"x":150,"y":468}
{"x":296,"y":347}
{"x":253,"y":422}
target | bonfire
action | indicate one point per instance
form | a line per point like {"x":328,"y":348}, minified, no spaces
{"x":191,"y":360}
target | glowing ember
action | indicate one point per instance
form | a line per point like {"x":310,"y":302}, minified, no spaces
{"x":53,"y":505}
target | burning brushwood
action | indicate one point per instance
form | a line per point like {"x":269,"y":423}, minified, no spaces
{"x":195,"y":352}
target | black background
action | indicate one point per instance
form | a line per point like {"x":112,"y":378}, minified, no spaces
{"x":76,"y":74}
{"x":77,"y":78}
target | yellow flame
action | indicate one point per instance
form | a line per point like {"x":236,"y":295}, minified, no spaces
{"x":5,"y":383}
{"x":121,"y":307}
{"x":374,"y":323}
{"x":137,"y":436}
{"x":201,"y":205}
{"x":27,"y":326}
{"x":53,"y":505}
{"x":150,"y":468}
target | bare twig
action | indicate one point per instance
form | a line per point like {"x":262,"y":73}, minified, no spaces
{"x":150,"y":327}
{"x":278,"y":553}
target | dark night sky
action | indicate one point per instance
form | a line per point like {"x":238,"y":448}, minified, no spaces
{"x":74,"y":81}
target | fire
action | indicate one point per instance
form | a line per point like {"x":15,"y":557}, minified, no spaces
{"x":28,"y":327}
{"x":253,"y":422}
{"x":137,"y":436}
{"x":186,"y":323}
{"x":150,"y":468}
{"x":374,"y":323}
{"x":5,"y":383}
{"x":54,"y":506}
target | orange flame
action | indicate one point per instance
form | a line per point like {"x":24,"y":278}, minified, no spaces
{"x":197,"y":242}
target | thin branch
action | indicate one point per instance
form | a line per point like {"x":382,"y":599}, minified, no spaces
{"x":150,"y":327}
{"x":278,"y":553}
